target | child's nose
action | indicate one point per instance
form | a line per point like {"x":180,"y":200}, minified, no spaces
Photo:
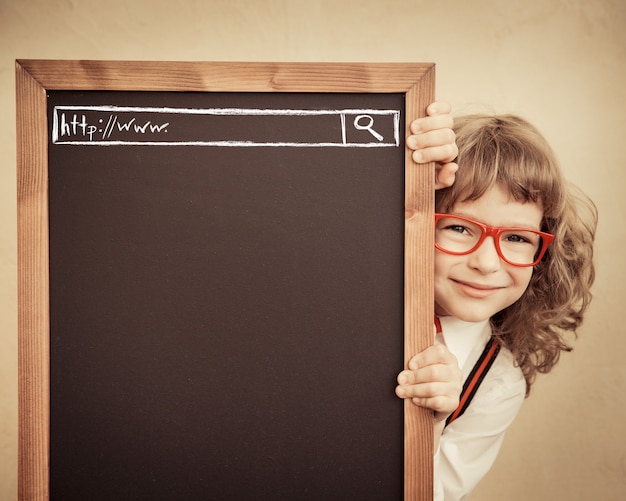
{"x":486,"y":258}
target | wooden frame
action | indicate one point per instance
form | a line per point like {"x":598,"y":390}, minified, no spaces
{"x":35,"y":77}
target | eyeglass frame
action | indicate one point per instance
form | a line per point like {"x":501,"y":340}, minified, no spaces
{"x":495,"y":232}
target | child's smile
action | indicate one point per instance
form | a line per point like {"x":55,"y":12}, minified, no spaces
{"x":473,"y":287}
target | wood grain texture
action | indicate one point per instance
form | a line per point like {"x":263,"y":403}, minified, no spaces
{"x":33,"y":289}
{"x":225,"y":77}
{"x":418,"y":300}
{"x":34,"y":77}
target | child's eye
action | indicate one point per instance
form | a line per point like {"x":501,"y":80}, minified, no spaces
{"x":521,"y":238}
{"x":457,"y":227}
{"x":516,"y":238}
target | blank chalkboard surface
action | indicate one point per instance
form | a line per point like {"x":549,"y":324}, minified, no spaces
{"x":220,"y":282}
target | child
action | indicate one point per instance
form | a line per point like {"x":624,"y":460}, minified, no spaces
{"x":513,"y":271}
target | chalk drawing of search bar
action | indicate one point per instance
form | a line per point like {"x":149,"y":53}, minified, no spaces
{"x":231,"y":127}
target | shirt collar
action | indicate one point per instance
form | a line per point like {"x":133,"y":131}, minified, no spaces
{"x":462,"y":337}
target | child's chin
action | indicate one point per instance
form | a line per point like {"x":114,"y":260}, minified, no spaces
{"x":473,"y":316}
{"x":474,"y":319}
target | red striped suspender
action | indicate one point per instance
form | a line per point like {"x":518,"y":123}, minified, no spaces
{"x":481,"y":367}
{"x":438,"y":325}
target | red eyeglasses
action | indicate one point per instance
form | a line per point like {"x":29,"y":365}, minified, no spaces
{"x":517,"y":246}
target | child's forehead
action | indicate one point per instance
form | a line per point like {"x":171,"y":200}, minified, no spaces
{"x":509,"y":190}
{"x":499,"y":205}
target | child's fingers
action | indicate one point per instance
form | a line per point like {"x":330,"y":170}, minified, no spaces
{"x":442,"y":153}
{"x":433,"y":355}
{"x":431,"y":374}
{"x":429,"y":123}
{"x":423,"y":390}
{"x":438,"y":396}
{"x":445,"y":175}
{"x":438,"y":403}
{"x":432,"y":139}
{"x":433,"y":380}
{"x":435,"y":137}
{"x":438,"y":108}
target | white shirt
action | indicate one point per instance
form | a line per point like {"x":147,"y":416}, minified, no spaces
{"x":470,"y":444}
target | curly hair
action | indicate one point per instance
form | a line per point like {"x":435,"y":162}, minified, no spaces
{"x":508,"y":151}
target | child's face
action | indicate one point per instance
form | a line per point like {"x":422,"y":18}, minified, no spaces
{"x":475,"y":286}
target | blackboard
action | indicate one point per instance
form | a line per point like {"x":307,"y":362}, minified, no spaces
{"x":219,"y":285}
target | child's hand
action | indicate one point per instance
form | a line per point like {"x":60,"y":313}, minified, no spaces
{"x":433,"y":140}
{"x":433,"y":380}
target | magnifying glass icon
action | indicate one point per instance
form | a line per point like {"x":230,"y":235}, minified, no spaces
{"x":368,"y":126}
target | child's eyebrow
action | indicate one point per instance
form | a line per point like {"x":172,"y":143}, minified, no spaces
{"x":520,"y":225}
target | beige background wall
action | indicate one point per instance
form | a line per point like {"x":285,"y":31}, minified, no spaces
{"x":560,"y":63}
